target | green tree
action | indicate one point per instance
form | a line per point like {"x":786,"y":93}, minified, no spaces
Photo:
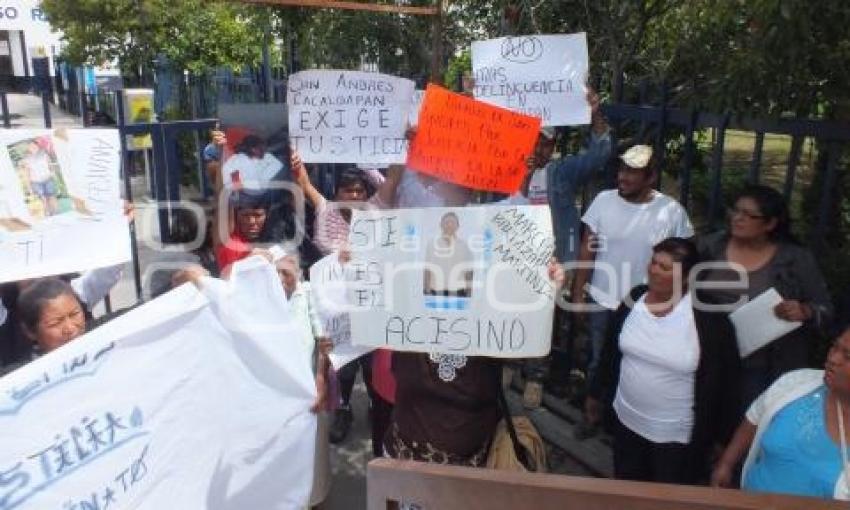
{"x":193,"y":34}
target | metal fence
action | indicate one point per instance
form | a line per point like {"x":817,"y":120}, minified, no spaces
{"x":666,"y":124}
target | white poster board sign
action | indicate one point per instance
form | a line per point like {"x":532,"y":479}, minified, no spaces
{"x":539,"y":75}
{"x":60,"y":202}
{"x":469,"y":280}
{"x":348,"y":116}
{"x":176,"y":404}
{"x":328,"y":281}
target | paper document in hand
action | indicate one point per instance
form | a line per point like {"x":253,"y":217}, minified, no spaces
{"x":756,"y":324}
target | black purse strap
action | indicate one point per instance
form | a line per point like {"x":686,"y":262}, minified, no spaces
{"x":519,"y":450}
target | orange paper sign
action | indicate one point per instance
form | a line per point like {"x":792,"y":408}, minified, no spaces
{"x":471,"y":143}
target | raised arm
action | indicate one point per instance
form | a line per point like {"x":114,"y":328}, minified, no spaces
{"x":386,"y":192}
{"x":585,"y":259}
{"x":299,"y":172}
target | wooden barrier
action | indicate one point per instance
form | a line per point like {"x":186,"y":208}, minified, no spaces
{"x":436,"y":487}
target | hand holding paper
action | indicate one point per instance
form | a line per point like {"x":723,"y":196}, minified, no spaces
{"x":757,"y":323}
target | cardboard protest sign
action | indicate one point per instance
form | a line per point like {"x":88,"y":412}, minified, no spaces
{"x":60,"y":202}
{"x":328,"y":281}
{"x":470,"y":281}
{"x":471,"y":143}
{"x":539,"y":75}
{"x":180,"y":403}
{"x":348,"y":116}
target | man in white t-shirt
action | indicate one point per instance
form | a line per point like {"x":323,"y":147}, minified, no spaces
{"x":621,"y":227}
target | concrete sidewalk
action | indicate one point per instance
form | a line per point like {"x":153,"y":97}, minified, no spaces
{"x":27,"y":111}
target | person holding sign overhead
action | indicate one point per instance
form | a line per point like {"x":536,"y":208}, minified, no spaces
{"x":555,"y":183}
{"x":759,"y":250}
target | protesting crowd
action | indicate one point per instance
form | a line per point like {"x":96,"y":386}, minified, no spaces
{"x":696,"y":352}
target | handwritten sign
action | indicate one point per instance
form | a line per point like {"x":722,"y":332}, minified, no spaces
{"x":60,"y":202}
{"x":467,"y":280}
{"x":173,"y":405}
{"x":328,"y":280}
{"x":348,"y":116}
{"x":471,"y":143}
{"x":539,"y":75}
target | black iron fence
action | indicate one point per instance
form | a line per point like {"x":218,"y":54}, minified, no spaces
{"x":662,"y":126}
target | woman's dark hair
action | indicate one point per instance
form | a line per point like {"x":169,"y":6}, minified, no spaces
{"x":682,"y":250}
{"x":351,"y":176}
{"x":32,"y":300}
{"x":772,"y":206}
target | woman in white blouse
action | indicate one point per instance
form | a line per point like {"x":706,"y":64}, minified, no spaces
{"x":667,"y":374}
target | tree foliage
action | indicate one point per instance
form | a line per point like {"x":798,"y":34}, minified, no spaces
{"x":193,"y":34}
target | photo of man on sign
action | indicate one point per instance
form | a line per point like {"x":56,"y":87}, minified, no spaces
{"x":448,"y":266}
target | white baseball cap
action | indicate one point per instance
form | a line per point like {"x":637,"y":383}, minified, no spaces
{"x":637,"y":156}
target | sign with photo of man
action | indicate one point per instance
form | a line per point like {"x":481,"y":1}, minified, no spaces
{"x":469,"y":280}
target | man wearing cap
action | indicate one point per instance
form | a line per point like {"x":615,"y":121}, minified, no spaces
{"x":555,"y":183}
{"x":622,"y":226}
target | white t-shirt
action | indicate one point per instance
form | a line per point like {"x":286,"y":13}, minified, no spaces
{"x":626,"y":233}
{"x":655,"y":394}
{"x":254,"y":173}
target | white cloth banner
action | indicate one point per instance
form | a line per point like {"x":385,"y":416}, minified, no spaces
{"x":60,"y":202}
{"x":190,"y":401}
{"x":348,"y":116}
{"x":328,"y":280}
{"x":470,"y":280}
{"x":539,"y":75}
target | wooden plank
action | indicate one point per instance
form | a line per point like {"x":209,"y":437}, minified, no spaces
{"x":594,"y":456}
{"x":456,"y":488}
{"x":350,"y":5}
